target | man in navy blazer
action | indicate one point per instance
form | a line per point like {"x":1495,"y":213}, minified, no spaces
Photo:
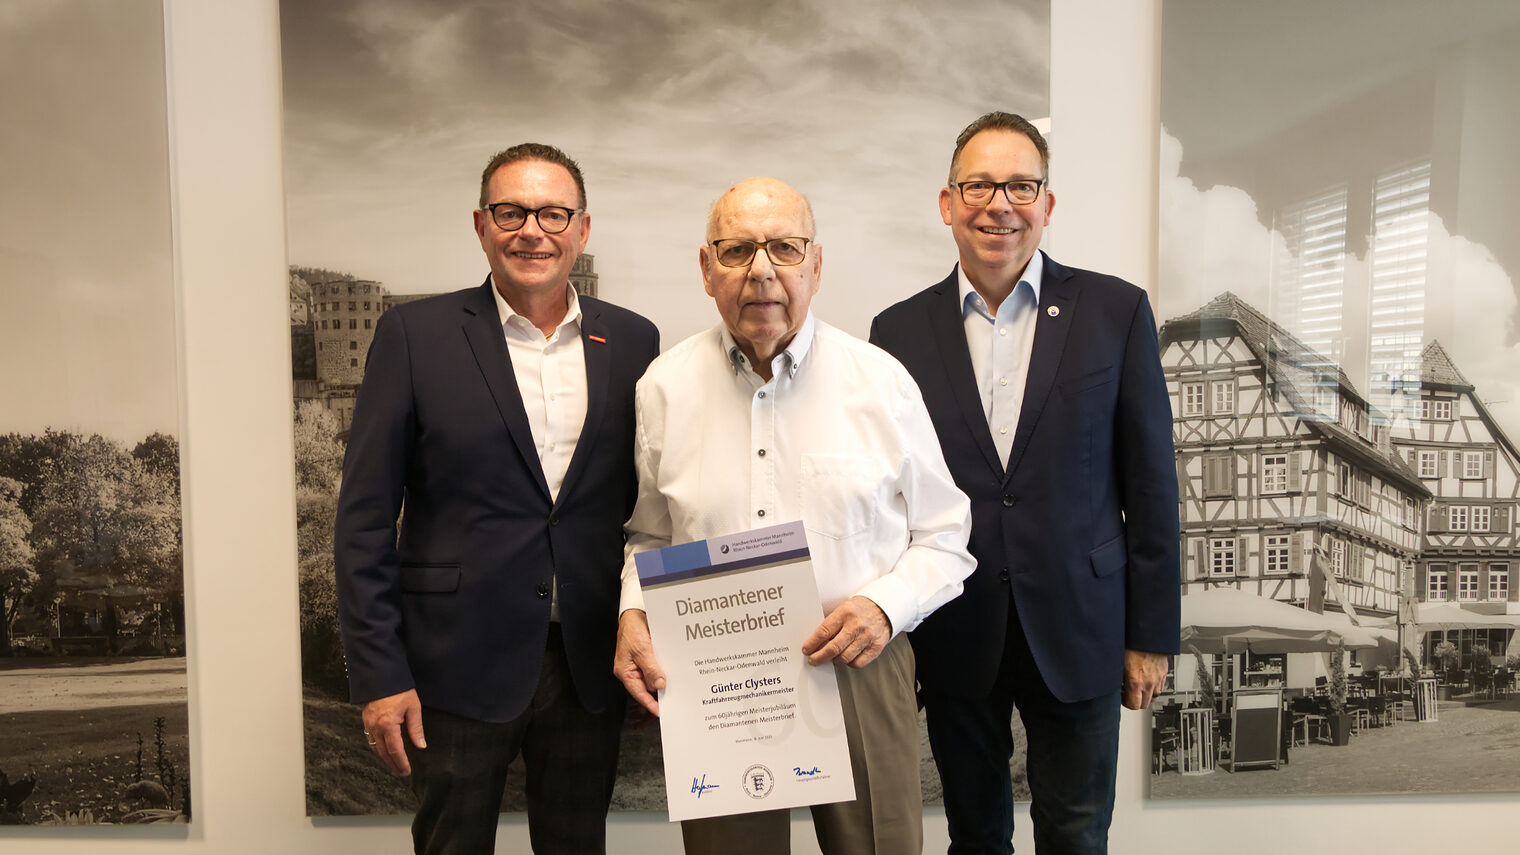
{"x":497,"y":423}
{"x":1045,"y":386}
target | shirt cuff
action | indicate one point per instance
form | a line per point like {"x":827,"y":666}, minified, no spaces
{"x":893,"y":596}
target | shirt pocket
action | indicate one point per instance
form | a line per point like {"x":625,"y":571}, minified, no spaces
{"x":839,"y":494}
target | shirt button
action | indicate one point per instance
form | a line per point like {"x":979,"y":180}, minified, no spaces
{"x":1002,"y":331}
{"x":542,"y":589}
{"x":760,"y":513}
{"x":1002,"y":381}
{"x":1004,"y":574}
{"x":762,"y":394}
{"x":1009,"y":501}
{"x":551,"y":396}
{"x":762,"y":452}
{"x":551,"y":446}
{"x":1003,"y":429}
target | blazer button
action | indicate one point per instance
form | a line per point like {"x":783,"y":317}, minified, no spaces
{"x":553,"y":520}
{"x":1003,"y":575}
{"x":543,"y":589}
{"x":1009,"y":501}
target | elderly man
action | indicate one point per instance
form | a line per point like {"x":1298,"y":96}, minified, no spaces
{"x":1046,"y":389}
{"x":774,"y":415}
{"x":502,"y":417}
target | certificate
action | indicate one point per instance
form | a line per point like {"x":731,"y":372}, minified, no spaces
{"x":747,"y":724}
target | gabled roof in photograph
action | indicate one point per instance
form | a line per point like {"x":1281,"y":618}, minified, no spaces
{"x":1437,"y":368}
{"x":1296,"y":369}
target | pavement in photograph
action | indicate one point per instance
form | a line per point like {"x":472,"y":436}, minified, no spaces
{"x":97,"y":684}
{"x":1470,"y":749}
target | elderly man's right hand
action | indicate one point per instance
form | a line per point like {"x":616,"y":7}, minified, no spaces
{"x":384,"y":719}
{"x":634,"y":663}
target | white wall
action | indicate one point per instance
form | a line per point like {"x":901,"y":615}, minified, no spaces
{"x":245,"y":693}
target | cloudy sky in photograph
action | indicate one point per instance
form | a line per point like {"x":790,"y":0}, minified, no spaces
{"x":1243,"y":82}
{"x":393,"y":107}
{"x":87,"y":325}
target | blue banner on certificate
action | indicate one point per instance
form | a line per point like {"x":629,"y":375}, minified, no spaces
{"x":747,"y":724}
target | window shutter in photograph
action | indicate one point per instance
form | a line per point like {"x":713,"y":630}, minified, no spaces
{"x":1488,"y":464}
{"x":1483,"y":582}
{"x":1201,"y":559}
{"x":1514,"y":590}
{"x":1295,"y":475}
{"x":1456,"y":464}
{"x":1219,"y":475}
{"x":1437,"y":517}
{"x":1296,"y":546}
{"x":1421,"y":580}
{"x":1500,"y":522}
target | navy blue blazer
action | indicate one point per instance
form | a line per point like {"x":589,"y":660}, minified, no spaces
{"x":457,"y":606}
{"x":1082,"y":527}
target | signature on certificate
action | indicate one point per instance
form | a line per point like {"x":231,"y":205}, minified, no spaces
{"x":701,"y":786}
{"x":801,"y":772}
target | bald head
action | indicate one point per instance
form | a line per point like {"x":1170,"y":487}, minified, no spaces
{"x":761,"y":197}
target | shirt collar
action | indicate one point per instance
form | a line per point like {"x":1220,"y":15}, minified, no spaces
{"x":792,"y":357}
{"x":972,"y":302}
{"x":505,"y":312}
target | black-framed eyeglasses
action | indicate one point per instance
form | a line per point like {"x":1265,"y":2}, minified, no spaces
{"x":553,"y":219}
{"x":782,"y":251}
{"x":978,"y":194}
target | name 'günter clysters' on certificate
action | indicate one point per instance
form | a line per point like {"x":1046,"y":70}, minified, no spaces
{"x":747,"y":724}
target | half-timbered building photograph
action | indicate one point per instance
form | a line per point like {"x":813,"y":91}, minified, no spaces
{"x":1339,"y":305}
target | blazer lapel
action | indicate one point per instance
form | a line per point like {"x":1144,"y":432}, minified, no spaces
{"x":598,"y":366}
{"x":1050,"y":332}
{"x":950,"y":337}
{"x":482,"y":327}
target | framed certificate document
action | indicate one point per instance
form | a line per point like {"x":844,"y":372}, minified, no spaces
{"x":747,"y":724}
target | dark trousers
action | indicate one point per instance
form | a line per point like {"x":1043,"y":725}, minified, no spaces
{"x":571,"y":760}
{"x":1071,"y":760}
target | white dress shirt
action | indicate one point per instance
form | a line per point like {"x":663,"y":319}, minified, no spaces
{"x":551,"y":378}
{"x":839,"y":439}
{"x":1000,"y":345}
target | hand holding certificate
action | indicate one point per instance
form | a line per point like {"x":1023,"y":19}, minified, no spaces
{"x":747,"y":723}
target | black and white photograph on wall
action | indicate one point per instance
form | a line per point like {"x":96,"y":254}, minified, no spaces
{"x":93,"y":703}
{"x":393,"y":108}
{"x":1340,"y":333}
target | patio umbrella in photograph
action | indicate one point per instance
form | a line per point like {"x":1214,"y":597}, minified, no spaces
{"x":1442,"y":616}
{"x":1228,"y":620}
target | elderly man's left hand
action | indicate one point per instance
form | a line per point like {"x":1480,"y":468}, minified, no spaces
{"x":853,"y":634}
{"x":1144,"y":675}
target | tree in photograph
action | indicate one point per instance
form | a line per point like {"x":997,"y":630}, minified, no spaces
{"x":87,"y":493}
{"x":318,"y":463}
{"x":18,"y":572}
{"x":159,"y":455}
{"x":28,"y":458}
{"x":152,"y":547}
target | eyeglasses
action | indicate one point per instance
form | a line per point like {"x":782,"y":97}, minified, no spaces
{"x":553,"y":219}
{"x":782,"y":251}
{"x":1020,"y":191}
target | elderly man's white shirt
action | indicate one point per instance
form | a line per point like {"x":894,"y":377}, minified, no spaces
{"x":839,"y":438}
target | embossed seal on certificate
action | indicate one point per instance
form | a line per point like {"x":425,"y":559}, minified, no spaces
{"x":758,"y":781}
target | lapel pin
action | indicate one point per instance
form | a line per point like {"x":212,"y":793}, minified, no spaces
{"x":1053,"y":311}
{"x":596,"y":338}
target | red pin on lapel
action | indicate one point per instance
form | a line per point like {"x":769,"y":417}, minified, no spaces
{"x":596,"y":338}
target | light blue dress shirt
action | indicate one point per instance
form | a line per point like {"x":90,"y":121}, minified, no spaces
{"x":1000,"y":345}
